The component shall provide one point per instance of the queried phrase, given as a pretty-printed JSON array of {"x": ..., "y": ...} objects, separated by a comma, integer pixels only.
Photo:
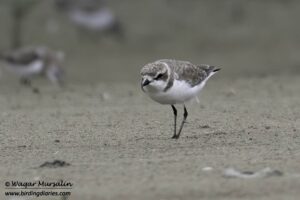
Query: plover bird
[
  {"x": 91, "y": 15},
  {"x": 29, "y": 62},
  {"x": 175, "y": 82}
]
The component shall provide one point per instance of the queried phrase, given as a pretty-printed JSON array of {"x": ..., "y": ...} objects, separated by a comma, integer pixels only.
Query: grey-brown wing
[
  {"x": 21, "y": 58},
  {"x": 191, "y": 73},
  {"x": 185, "y": 70}
]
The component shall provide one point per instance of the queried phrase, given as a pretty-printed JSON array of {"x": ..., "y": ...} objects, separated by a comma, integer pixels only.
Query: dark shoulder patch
[{"x": 22, "y": 58}]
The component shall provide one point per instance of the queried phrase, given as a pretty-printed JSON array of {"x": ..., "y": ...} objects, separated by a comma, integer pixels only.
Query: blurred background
[{"x": 244, "y": 37}]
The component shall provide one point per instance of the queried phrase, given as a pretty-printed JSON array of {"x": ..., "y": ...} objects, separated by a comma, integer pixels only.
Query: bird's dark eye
[{"x": 159, "y": 76}]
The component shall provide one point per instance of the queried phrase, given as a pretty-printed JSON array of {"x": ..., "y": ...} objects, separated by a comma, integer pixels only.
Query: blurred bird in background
[
  {"x": 30, "y": 62},
  {"x": 92, "y": 16}
]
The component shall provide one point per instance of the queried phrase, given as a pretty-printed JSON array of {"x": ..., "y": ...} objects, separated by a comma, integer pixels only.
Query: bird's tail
[
  {"x": 213, "y": 69},
  {"x": 216, "y": 69},
  {"x": 209, "y": 69}
]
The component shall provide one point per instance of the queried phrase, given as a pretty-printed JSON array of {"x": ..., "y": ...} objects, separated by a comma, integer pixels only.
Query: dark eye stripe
[{"x": 158, "y": 76}]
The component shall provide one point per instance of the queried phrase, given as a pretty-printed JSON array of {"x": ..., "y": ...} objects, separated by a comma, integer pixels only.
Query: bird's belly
[
  {"x": 28, "y": 70},
  {"x": 179, "y": 93}
]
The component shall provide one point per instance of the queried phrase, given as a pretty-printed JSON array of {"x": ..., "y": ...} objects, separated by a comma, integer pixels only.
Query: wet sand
[{"x": 118, "y": 142}]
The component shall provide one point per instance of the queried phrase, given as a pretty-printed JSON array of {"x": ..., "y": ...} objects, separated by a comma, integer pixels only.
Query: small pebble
[
  {"x": 266, "y": 172},
  {"x": 205, "y": 126},
  {"x": 105, "y": 96},
  {"x": 54, "y": 164},
  {"x": 206, "y": 169},
  {"x": 231, "y": 92}
]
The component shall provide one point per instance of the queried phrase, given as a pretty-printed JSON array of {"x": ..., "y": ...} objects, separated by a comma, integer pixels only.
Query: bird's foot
[
  {"x": 175, "y": 136},
  {"x": 25, "y": 81},
  {"x": 35, "y": 90}
]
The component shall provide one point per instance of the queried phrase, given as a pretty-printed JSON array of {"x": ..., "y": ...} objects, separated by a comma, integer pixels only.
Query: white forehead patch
[{"x": 147, "y": 77}]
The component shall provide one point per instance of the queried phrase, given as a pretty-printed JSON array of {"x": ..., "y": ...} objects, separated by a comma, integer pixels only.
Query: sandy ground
[
  {"x": 118, "y": 145},
  {"x": 118, "y": 142}
]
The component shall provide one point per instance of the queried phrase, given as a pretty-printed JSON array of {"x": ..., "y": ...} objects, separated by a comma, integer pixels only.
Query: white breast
[
  {"x": 179, "y": 93},
  {"x": 33, "y": 68}
]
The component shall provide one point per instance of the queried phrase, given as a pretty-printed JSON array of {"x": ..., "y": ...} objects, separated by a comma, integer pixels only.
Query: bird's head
[
  {"x": 154, "y": 76},
  {"x": 53, "y": 67}
]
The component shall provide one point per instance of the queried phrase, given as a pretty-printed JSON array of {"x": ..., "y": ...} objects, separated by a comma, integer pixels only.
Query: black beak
[{"x": 146, "y": 82}]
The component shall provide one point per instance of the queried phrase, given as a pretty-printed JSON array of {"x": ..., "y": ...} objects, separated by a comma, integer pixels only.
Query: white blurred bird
[{"x": 91, "y": 15}]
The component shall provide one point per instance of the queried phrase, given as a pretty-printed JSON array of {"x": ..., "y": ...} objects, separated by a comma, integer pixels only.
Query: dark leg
[
  {"x": 27, "y": 82},
  {"x": 175, "y": 120},
  {"x": 35, "y": 90},
  {"x": 185, "y": 114}
]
